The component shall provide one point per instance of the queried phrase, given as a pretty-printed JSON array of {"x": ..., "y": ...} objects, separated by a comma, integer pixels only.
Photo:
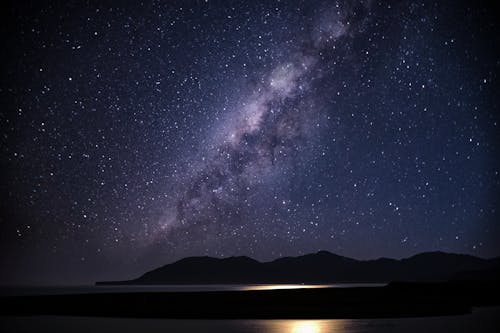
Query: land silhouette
[
  {"x": 319, "y": 268},
  {"x": 427, "y": 284}
]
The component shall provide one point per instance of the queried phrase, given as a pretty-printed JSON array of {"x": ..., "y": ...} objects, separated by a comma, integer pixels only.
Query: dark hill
[
  {"x": 320, "y": 267},
  {"x": 204, "y": 270}
]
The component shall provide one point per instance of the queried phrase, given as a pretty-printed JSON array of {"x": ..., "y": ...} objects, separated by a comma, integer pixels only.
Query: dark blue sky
[{"x": 134, "y": 135}]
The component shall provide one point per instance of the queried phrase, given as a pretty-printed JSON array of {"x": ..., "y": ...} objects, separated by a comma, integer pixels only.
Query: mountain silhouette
[{"x": 320, "y": 267}]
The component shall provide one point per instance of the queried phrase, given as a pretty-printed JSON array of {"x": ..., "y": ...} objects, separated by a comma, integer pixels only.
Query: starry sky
[{"x": 137, "y": 134}]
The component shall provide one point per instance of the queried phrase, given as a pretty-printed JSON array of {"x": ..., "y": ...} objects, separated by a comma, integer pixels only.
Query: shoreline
[{"x": 396, "y": 300}]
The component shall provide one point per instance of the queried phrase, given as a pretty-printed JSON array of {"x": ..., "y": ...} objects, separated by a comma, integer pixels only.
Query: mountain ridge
[{"x": 319, "y": 267}]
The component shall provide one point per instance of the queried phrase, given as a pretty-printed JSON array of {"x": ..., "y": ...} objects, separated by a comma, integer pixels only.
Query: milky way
[
  {"x": 134, "y": 135},
  {"x": 261, "y": 137}
]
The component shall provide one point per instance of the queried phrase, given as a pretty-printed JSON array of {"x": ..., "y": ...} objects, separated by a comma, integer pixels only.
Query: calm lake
[
  {"x": 479, "y": 321},
  {"x": 486, "y": 319}
]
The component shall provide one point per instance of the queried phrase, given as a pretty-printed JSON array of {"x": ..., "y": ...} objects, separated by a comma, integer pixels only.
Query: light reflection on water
[
  {"x": 307, "y": 326},
  {"x": 481, "y": 320},
  {"x": 59, "y": 324},
  {"x": 296, "y": 326}
]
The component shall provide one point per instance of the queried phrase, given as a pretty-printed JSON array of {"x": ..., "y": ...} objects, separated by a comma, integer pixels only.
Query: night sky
[{"x": 135, "y": 135}]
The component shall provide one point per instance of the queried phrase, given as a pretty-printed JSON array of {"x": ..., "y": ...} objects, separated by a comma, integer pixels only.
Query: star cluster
[{"x": 137, "y": 134}]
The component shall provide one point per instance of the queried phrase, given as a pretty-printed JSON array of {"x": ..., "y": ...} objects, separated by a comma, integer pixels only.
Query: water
[
  {"x": 20, "y": 291},
  {"x": 481, "y": 320}
]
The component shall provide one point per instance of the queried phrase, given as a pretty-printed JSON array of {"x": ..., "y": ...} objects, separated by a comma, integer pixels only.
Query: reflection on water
[
  {"x": 60, "y": 324},
  {"x": 302, "y": 326},
  {"x": 306, "y": 327},
  {"x": 284, "y": 286},
  {"x": 482, "y": 320}
]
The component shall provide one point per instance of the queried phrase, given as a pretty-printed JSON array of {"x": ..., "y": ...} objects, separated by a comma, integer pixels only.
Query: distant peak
[
  {"x": 194, "y": 259},
  {"x": 324, "y": 252},
  {"x": 239, "y": 258},
  {"x": 214, "y": 259}
]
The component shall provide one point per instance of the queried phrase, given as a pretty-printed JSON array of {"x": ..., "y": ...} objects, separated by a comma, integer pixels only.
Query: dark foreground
[{"x": 394, "y": 300}]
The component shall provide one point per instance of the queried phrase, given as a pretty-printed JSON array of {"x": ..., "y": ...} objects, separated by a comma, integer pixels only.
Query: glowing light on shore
[{"x": 285, "y": 286}]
